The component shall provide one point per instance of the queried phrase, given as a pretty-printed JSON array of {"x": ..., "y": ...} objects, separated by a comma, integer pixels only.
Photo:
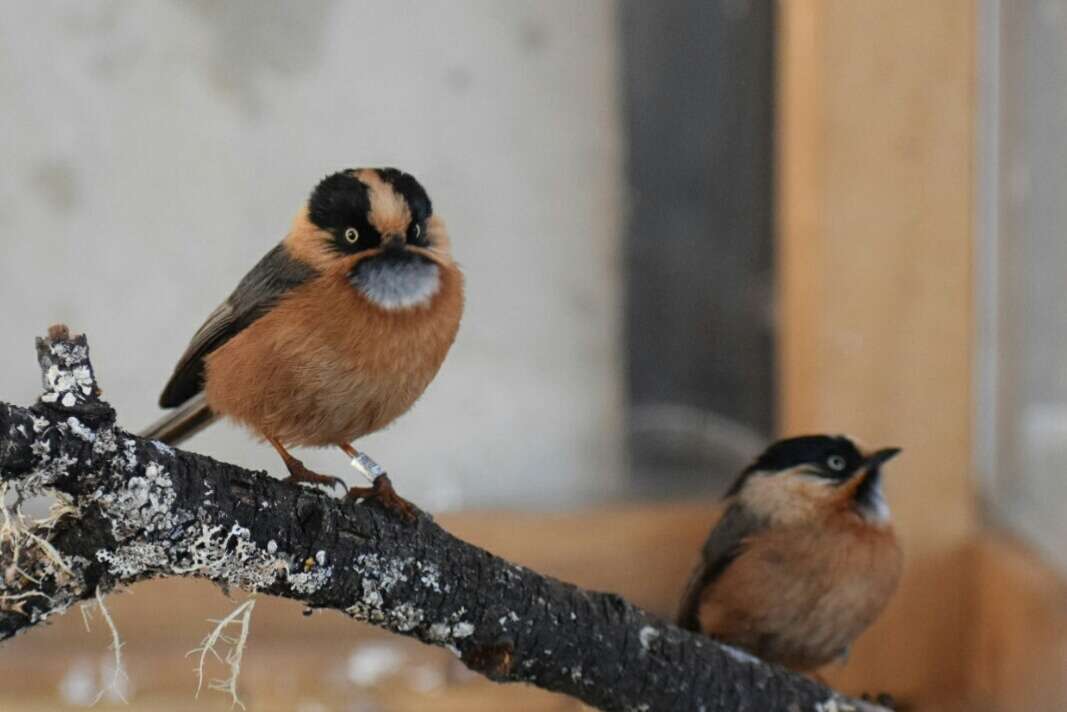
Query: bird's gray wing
[
  {"x": 723, "y": 546},
  {"x": 272, "y": 278}
]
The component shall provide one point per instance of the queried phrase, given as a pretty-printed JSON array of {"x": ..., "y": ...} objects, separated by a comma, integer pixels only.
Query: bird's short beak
[
  {"x": 880, "y": 457},
  {"x": 394, "y": 241}
]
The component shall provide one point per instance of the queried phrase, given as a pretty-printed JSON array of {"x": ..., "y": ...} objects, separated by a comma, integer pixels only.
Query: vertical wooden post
[{"x": 876, "y": 115}]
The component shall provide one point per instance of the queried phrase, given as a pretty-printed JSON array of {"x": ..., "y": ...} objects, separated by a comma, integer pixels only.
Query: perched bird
[
  {"x": 804, "y": 557},
  {"x": 334, "y": 333}
]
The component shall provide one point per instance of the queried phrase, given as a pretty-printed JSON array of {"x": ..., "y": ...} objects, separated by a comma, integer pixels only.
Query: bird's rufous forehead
[{"x": 389, "y": 212}]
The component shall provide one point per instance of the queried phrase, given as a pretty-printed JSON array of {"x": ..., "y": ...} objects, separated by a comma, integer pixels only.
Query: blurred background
[{"x": 687, "y": 227}]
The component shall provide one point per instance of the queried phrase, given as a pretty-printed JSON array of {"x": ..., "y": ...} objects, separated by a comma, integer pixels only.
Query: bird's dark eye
[
  {"x": 836, "y": 463},
  {"x": 351, "y": 235}
]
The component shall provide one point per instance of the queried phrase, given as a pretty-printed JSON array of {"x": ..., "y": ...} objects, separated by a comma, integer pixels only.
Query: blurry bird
[
  {"x": 334, "y": 333},
  {"x": 804, "y": 557}
]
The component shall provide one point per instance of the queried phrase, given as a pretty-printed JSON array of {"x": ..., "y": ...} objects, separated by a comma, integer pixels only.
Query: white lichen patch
[
  {"x": 379, "y": 576},
  {"x": 41, "y": 450},
  {"x": 511, "y": 617},
  {"x": 647, "y": 635},
  {"x": 80, "y": 429},
  {"x": 47, "y": 468},
  {"x": 144, "y": 503},
  {"x": 67, "y": 385},
  {"x": 163, "y": 448},
  {"x": 372, "y": 595},
  {"x": 430, "y": 577},
  {"x": 55, "y": 469},
  {"x": 231, "y": 558},
  {"x": 404, "y": 617},
  {"x": 440, "y": 632},
  {"x": 129, "y": 452},
  {"x": 134, "y": 560},
  {"x": 308, "y": 582},
  {"x": 387, "y": 573},
  {"x": 106, "y": 442},
  {"x": 443, "y": 632},
  {"x": 451, "y": 630},
  {"x": 69, "y": 353}
]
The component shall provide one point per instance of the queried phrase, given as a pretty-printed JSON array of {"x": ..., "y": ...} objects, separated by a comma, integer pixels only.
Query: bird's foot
[
  {"x": 382, "y": 491},
  {"x": 299, "y": 473}
]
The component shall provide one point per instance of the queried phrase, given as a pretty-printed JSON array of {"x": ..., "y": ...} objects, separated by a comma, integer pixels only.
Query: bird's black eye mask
[
  {"x": 340, "y": 204},
  {"x": 834, "y": 458}
]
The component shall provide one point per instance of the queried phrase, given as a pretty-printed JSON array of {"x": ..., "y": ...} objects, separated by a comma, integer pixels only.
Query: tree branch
[{"x": 129, "y": 509}]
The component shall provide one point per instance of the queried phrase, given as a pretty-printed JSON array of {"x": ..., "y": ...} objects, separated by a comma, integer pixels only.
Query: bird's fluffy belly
[
  {"x": 800, "y": 598},
  {"x": 325, "y": 367}
]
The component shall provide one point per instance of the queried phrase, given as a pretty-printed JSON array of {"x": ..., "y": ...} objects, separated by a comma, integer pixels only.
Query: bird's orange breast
[
  {"x": 800, "y": 595},
  {"x": 326, "y": 366}
]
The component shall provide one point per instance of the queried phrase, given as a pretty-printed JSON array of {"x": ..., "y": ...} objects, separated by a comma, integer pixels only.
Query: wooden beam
[{"x": 876, "y": 114}]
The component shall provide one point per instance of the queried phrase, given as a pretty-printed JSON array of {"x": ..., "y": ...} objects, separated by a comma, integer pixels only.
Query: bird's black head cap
[
  {"x": 834, "y": 457},
  {"x": 342, "y": 205}
]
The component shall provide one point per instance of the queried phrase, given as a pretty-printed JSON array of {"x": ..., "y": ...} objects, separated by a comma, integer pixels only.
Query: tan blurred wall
[{"x": 151, "y": 152}]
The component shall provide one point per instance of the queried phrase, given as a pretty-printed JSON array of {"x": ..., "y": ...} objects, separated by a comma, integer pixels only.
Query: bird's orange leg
[
  {"x": 381, "y": 489},
  {"x": 299, "y": 473}
]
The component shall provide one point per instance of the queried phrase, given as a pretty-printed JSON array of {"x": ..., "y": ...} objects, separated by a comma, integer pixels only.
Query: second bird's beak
[{"x": 876, "y": 459}]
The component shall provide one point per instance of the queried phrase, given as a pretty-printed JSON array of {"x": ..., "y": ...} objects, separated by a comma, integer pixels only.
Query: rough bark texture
[{"x": 131, "y": 509}]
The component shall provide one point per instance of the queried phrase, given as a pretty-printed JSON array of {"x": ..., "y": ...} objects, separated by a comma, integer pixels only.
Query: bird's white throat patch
[
  {"x": 399, "y": 282},
  {"x": 877, "y": 509}
]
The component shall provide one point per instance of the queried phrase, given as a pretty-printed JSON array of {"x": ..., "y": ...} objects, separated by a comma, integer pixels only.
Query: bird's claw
[
  {"x": 303, "y": 474},
  {"x": 382, "y": 491}
]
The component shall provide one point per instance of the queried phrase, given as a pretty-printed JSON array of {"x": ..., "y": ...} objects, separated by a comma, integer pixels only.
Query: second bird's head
[
  {"x": 799, "y": 477},
  {"x": 378, "y": 226}
]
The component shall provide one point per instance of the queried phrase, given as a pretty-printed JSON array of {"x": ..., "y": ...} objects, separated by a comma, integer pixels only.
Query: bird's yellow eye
[
  {"x": 352, "y": 235},
  {"x": 836, "y": 463}
]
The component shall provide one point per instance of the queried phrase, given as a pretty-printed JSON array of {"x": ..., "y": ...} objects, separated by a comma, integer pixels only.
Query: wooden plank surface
[{"x": 875, "y": 186}]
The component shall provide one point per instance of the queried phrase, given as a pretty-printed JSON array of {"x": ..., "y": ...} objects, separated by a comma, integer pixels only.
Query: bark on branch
[{"x": 129, "y": 509}]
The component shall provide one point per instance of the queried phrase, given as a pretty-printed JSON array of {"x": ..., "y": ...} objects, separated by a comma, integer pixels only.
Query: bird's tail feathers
[{"x": 182, "y": 423}]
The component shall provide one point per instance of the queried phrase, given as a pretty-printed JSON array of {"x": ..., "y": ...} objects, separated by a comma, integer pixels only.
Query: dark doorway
[{"x": 699, "y": 91}]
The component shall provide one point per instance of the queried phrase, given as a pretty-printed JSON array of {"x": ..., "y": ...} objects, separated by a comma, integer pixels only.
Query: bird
[
  {"x": 804, "y": 557},
  {"x": 332, "y": 335}
]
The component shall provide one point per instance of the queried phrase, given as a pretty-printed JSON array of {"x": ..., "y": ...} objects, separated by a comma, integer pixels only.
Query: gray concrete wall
[{"x": 151, "y": 152}]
